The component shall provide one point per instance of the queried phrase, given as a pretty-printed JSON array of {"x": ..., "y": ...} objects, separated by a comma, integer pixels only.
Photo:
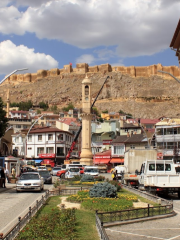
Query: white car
[
  {"x": 41, "y": 168},
  {"x": 30, "y": 181},
  {"x": 91, "y": 170},
  {"x": 73, "y": 171}
]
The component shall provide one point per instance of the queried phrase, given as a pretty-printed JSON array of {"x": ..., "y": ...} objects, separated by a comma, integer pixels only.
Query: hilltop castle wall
[{"x": 82, "y": 68}]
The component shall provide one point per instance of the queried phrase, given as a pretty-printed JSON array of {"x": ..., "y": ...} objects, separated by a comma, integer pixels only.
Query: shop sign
[
  {"x": 107, "y": 142},
  {"x": 47, "y": 155}
]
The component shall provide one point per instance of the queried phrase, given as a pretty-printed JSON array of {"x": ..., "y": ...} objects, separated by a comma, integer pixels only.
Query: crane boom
[{"x": 80, "y": 128}]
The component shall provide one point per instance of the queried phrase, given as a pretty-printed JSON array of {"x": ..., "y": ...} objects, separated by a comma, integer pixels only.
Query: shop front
[
  {"x": 48, "y": 158},
  {"x": 103, "y": 158},
  {"x": 117, "y": 161}
]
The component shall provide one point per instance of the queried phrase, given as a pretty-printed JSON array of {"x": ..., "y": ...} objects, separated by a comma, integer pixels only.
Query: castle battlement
[{"x": 82, "y": 68}]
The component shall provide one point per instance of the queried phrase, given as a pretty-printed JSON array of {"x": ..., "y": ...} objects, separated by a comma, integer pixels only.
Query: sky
[{"x": 46, "y": 34}]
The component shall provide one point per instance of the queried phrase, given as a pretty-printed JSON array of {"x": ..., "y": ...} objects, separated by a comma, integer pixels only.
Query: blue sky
[{"x": 45, "y": 34}]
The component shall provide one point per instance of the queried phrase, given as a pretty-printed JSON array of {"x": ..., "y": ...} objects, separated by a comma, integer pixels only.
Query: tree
[
  {"x": 105, "y": 111},
  {"x": 3, "y": 119},
  {"x": 43, "y": 105},
  {"x": 70, "y": 106}
]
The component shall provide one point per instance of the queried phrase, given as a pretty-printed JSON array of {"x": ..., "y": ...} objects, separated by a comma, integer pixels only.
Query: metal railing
[
  {"x": 100, "y": 228},
  {"x": 22, "y": 221},
  {"x": 124, "y": 215}
]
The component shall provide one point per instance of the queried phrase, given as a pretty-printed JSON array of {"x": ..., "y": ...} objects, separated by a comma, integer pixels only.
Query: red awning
[
  {"x": 117, "y": 160},
  {"x": 102, "y": 160}
]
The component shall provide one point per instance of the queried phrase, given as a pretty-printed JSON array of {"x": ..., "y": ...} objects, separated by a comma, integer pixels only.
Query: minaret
[
  {"x": 86, "y": 153},
  {"x": 7, "y": 113}
]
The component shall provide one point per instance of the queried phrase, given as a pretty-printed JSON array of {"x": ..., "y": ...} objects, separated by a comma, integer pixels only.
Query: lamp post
[
  {"x": 25, "y": 140},
  {"x": 170, "y": 75},
  {"x": 17, "y": 70}
]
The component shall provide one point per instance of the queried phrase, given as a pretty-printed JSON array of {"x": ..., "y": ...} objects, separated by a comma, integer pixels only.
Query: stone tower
[
  {"x": 7, "y": 113},
  {"x": 86, "y": 153}
]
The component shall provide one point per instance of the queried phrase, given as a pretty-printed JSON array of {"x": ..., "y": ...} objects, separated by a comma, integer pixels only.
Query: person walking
[
  {"x": 3, "y": 177},
  {"x": 6, "y": 171}
]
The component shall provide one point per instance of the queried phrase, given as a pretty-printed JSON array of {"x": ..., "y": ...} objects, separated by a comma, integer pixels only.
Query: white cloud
[
  {"x": 86, "y": 58},
  {"x": 16, "y": 57},
  {"x": 136, "y": 27}
]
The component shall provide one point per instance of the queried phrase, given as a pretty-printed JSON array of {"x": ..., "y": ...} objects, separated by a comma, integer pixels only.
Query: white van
[{"x": 91, "y": 170}]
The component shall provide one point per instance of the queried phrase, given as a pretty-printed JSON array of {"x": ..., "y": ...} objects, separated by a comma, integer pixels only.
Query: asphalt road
[{"x": 14, "y": 205}]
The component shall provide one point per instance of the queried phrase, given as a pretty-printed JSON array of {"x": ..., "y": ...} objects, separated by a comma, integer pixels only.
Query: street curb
[{"x": 105, "y": 225}]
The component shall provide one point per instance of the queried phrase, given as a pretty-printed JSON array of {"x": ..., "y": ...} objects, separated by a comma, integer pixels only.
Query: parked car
[
  {"x": 91, "y": 170},
  {"x": 71, "y": 172},
  {"x": 39, "y": 168},
  {"x": 55, "y": 170},
  {"x": 45, "y": 174},
  {"x": 65, "y": 167},
  {"x": 30, "y": 181},
  {"x": 48, "y": 166}
]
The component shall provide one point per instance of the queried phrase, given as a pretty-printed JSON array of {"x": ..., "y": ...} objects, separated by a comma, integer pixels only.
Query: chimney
[
  {"x": 128, "y": 135},
  {"x": 131, "y": 133},
  {"x": 139, "y": 121}
]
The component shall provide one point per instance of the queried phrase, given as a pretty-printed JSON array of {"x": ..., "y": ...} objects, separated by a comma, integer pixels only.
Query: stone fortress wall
[{"x": 82, "y": 68}]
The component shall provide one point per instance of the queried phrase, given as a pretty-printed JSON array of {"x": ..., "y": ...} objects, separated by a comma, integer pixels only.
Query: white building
[{"x": 48, "y": 143}]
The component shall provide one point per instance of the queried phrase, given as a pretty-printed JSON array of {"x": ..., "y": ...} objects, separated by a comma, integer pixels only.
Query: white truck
[
  {"x": 132, "y": 164},
  {"x": 160, "y": 176}
]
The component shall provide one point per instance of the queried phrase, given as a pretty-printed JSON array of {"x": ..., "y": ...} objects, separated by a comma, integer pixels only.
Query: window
[
  {"x": 60, "y": 137},
  {"x": 50, "y": 136},
  {"x": 25, "y": 127},
  {"x": 18, "y": 126},
  {"x": 29, "y": 138},
  {"x": 132, "y": 146},
  {"x": 159, "y": 167},
  {"x": 119, "y": 150},
  {"x": 99, "y": 138},
  {"x": 86, "y": 90},
  {"x": 17, "y": 139},
  {"x": 39, "y": 138},
  {"x": 29, "y": 148},
  {"x": 167, "y": 167},
  {"x": 60, "y": 151},
  {"x": 170, "y": 145},
  {"x": 151, "y": 167},
  {"x": 49, "y": 150},
  {"x": 40, "y": 150}
]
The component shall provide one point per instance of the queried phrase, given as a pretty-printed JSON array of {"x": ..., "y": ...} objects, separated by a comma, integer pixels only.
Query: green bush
[
  {"x": 100, "y": 178},
  {"x": 87, "y": 178},
  {"x": 116, "y": 184},
  {"x": 105, "y": 190},
  {"x": 56, "y": 183}
]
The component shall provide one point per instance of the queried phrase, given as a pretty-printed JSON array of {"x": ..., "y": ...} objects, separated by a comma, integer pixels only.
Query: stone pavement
[
  {"x": 8, "y": 186},
  {"x": 164, "y": 229}
]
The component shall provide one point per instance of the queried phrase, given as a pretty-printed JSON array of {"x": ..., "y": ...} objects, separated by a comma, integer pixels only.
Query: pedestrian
[
  {"x": 13, "y": 172},
  {"x": 3, "y": 177},
  {"x": 6, "y": 171}
]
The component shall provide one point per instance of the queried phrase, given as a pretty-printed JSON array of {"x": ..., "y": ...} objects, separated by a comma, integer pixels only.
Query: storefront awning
[
  {"x": 101, "y": 160},
  {"x": 117, "y": 160}
]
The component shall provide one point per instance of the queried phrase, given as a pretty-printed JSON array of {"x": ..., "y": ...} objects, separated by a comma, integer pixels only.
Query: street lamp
[
  {"x": 170, "y": 75},
  {"x": 17, "y": 70},
  {"x": 25, "y": 140}
]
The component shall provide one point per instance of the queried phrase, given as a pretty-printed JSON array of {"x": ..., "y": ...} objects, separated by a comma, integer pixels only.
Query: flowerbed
[
  {"x": 123, "y": 201},
  {"x": 54, "y": 225}
]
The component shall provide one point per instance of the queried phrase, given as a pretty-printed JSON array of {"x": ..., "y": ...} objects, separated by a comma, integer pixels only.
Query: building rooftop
[
  {"x": 46, "y": 130},
  {"x": 135, "y": 138},
  {"x": 168, "y": 122}
]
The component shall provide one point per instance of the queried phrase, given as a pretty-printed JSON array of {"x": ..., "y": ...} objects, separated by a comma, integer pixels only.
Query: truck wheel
[{"x": 63, "y": 176}]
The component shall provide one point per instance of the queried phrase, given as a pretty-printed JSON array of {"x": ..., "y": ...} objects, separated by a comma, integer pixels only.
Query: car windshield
[
  {"x": 29, "y": 177},
  {"x": 91, "y": 170},
  {"x": 74, "y": 169},
  {"x": 44, "y": 173},
  {"x": 57, "y": 168}
]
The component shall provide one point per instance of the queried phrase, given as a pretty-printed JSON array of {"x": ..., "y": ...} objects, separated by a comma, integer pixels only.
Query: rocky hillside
[{"x": 151, "y": 97}]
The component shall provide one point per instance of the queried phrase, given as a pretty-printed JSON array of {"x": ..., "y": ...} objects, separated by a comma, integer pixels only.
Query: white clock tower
[{"x": 86, "y": 152}]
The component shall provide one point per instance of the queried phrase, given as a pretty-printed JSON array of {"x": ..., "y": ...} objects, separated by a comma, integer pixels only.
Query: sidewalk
[{"x": 8, "y": 186}]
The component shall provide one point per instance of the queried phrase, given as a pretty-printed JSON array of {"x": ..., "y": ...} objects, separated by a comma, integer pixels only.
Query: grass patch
[{"x": 85, "y": 225}]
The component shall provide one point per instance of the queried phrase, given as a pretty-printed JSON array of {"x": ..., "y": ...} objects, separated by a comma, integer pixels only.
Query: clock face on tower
[{"x": 86, "y": 98}]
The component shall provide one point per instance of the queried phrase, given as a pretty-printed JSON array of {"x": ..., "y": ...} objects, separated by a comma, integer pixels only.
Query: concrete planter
[{"x": 13, "y": 180}]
